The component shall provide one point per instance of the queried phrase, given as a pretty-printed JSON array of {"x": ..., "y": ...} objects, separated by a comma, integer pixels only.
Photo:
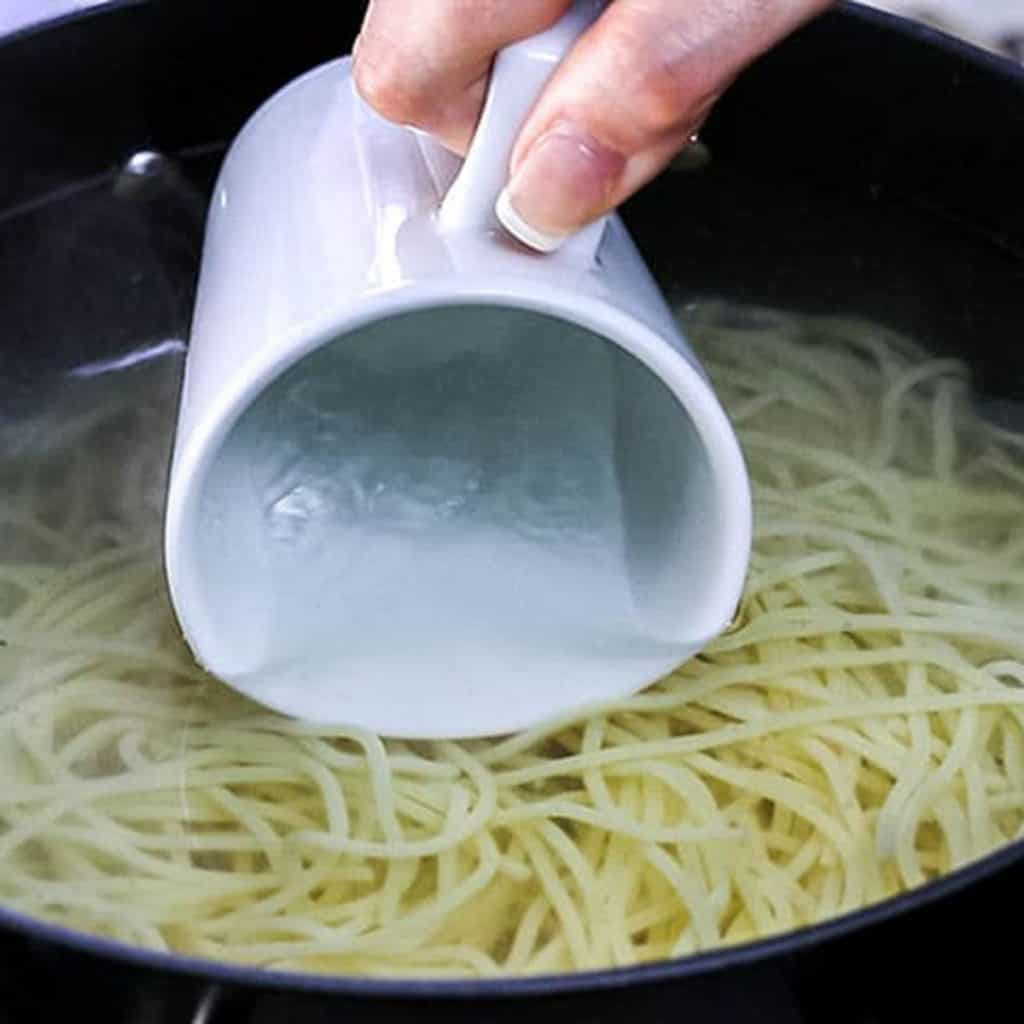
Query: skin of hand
[{"x": 633, "y": 90}]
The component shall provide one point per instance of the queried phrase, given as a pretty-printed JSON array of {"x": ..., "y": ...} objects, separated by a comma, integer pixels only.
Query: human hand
[{"x": 634, "y": 89}]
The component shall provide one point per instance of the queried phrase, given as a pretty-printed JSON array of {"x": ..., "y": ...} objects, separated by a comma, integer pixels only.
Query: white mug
[{"x": 425, "y": 480}]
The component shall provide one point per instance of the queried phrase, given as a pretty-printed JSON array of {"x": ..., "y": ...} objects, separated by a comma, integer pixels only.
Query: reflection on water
[{"x": 88, "y": 467}]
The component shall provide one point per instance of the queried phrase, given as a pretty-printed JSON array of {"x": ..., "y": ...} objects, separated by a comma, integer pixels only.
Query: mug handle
[{"x": 519, "y": 74}]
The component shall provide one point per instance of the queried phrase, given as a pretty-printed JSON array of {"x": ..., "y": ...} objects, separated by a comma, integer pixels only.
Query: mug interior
[{"x": 462, "y": 500}]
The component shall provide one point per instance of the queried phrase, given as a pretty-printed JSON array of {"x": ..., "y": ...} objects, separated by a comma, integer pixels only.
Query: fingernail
[{"x": 564, "y": 181}]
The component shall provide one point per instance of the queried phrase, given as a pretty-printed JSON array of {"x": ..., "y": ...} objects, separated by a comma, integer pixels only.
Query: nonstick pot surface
[{"x": 865, "y": 167}]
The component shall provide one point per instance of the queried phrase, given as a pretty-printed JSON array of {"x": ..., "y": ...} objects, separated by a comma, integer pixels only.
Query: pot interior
[{"x": 890, "y": 199}]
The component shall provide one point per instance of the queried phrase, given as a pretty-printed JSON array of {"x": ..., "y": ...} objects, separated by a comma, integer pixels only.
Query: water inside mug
[{"x": 470, "y": 490}]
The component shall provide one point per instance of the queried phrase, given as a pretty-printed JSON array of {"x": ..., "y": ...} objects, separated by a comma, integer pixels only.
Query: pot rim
[{"x": 760, "y": 951}]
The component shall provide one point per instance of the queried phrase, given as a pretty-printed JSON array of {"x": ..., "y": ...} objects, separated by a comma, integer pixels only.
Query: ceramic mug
[{"x": 425, "y": 480}]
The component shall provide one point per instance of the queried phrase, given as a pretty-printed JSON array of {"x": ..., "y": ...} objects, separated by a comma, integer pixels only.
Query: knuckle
[
  {"x": 389, "y": 91},
  {"x": 651, "y": 80},
  {"x": 662, "y": 100},
  {"x": 660, "y": 63}
]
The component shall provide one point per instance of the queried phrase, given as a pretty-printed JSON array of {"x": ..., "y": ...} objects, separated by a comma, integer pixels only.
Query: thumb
[{"x": 628, "y": 97}]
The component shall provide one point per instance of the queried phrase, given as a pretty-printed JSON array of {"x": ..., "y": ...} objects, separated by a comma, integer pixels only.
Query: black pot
[{"x": 867, "y": 166}]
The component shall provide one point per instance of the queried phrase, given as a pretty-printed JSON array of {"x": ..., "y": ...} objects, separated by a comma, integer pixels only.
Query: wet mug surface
[{"x": 426, "y": 481}]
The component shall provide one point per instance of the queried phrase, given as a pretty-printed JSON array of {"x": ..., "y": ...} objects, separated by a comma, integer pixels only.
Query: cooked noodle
[{"x": 859, "y": 729}]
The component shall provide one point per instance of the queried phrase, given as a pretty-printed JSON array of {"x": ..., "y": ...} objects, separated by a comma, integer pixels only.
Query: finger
[
  {"x": 627, "y": 98},
  {"x": 425, "y": 62}
]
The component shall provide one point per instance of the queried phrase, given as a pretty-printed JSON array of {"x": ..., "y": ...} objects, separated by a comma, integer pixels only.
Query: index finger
[{"x": 425, "y": 63}]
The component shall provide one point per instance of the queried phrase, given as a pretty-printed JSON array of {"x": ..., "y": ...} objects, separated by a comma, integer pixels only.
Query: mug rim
[{"x": 196, "y": 452}]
